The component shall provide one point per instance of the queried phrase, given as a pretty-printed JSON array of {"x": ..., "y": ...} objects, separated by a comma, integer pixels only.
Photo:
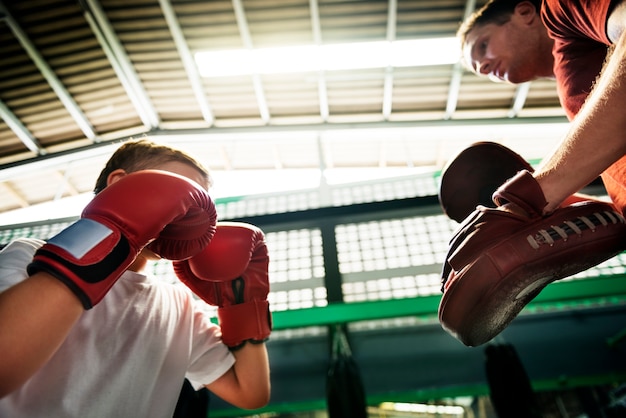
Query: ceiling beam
[
  {"x": 120, "y": 62},
  {"x": 457, "y": 71},
  {"x": 391, "y": 36},
  {"x": 207, "y": 134},
  {"x": 521, "y": 94},
  {"x": 322, "y": 89},
  {"x": 20, "y": 130},
  {"x": 64, "y": 183},
  {"x": 22, "y": 202},
  {"x": 188, "y": 62},
  {"x": 54, "y": 82},
  {"x": 244, "y": 31},
  {"x": 322, "y": 92}
]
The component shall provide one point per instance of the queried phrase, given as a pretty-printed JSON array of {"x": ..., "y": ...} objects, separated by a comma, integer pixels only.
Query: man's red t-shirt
[{"x": 578, "y": 28}]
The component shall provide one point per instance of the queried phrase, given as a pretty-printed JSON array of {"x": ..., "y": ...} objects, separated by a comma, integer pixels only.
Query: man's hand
[
  {"x": 470, "y": 178},
  {"x": 500, "y": 259}
]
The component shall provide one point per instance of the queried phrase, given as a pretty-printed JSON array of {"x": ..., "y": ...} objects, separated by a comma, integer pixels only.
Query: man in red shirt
[{"x": 582, "y": 44}]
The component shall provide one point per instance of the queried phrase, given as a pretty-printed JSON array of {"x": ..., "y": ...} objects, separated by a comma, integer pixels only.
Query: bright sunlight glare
[{"x": 334, "y": 57}]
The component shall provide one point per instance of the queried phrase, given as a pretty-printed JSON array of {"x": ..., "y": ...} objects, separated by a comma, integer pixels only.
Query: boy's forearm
[
  {"x": 35, "y": 317},
  {"x": 253, "y": 372}
]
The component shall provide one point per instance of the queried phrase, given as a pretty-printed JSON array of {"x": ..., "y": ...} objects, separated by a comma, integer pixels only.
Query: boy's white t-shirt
[{"x": 126, "y": 357}]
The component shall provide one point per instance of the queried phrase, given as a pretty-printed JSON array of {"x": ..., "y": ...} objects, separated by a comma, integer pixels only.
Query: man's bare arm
[{"x": 597, "y": 137}]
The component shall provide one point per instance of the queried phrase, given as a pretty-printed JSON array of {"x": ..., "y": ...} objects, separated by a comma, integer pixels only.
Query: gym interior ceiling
[{"x": 80, "y": 75}]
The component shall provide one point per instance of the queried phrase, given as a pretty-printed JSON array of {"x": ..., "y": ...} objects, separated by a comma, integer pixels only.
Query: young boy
[{"x": 84, "y": 333}]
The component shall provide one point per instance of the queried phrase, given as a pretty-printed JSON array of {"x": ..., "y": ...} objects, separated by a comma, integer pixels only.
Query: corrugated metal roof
[{"x": 79, "y": 74}]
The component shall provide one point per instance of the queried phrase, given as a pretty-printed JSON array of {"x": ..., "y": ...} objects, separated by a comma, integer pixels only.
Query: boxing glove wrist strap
[
  {"x": 88, "y": 257},
  {"x": 248, "y": 321}
]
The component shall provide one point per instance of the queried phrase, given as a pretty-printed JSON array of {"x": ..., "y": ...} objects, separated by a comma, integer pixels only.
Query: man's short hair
[
  {"x": 494, "y": 11},
  {"x": 143, "y": 154}
]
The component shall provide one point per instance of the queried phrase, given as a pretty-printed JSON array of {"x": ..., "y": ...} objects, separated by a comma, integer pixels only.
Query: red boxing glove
[
  {"x": 91, "y": 254},
  {"x": 232, "y": 273}
]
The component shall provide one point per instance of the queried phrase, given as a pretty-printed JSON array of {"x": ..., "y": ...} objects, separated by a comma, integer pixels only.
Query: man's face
[{"x": 502, "y": 52}]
